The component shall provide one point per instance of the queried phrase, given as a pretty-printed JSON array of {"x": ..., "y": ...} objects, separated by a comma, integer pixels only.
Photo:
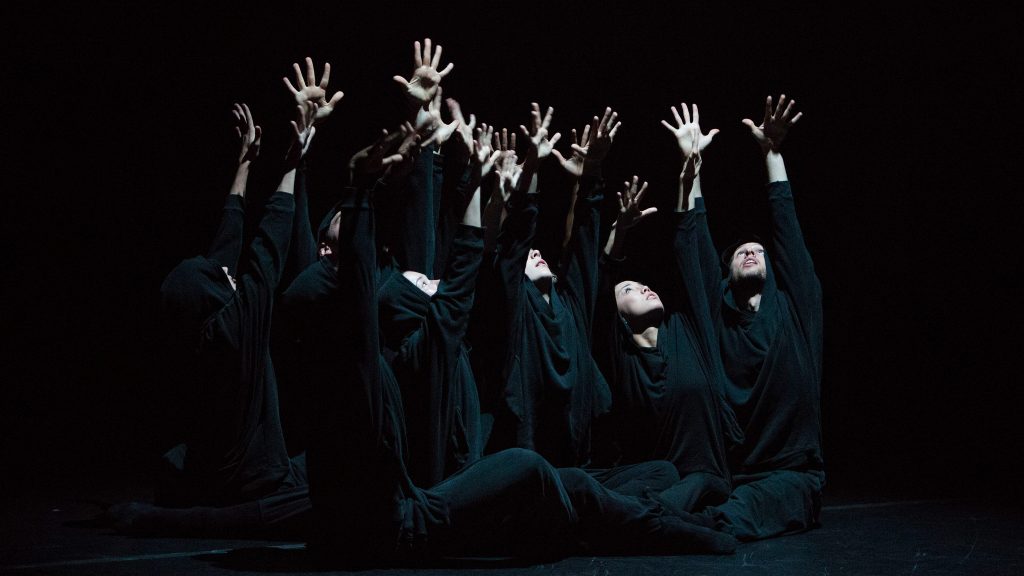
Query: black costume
[
  {"x": 551, "y": 388},
  {"x": 424, "y": 338},
  {"x": 773, "y": 361},
  {"x": 368, "y": 510},
  {"x": 668, "y": 400},
  {"x": 235, "y": 449}
]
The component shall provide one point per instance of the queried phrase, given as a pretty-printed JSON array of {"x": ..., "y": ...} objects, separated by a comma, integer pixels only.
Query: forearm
[
  {"x": 287, "y": 185},
  {"x": 472, "y": 215},
  {"x": 689, "y": 185},
  {"x": 776, "y": 167},
  {"x": 615, "y": 247},
  {"x": 241, "y": 179}
]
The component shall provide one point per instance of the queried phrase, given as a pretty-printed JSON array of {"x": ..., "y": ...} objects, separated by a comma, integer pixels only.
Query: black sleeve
[
  {"x": 694, "y": 291},
  {"x": 514, "y": 242},
  {"x": 453, "y": 301},
  {"x": 226, "y": 247},
  {"x": 580, "y": 268},
  {"x": 303, "y": 246},
  {"x": 710, "y": 267},
  {"x": 791, "y": 262},
  {"x": 418, "y": 217},
  {"x": 456, "y": 190},
  {"x": 266, "y": 254},
  {"x": 606, "y": 345},
  {"x": 360, "y": 405}
]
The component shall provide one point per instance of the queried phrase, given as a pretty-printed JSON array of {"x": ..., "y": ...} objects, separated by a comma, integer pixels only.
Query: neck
[
  {"x": 544, "y": 285},
  {"x": 747, "y": 298},
  {"x": 647, "y": 338}
]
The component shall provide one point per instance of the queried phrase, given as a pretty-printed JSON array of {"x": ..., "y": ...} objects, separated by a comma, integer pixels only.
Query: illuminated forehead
[
  {"x": 414, "y": 277},
  {"x": 624, "y": 284},
  {"x": 748, "y": 246}
]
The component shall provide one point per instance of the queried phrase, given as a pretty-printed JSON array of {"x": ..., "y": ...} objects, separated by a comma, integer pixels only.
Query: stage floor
[{"x": 47, "y": 530}]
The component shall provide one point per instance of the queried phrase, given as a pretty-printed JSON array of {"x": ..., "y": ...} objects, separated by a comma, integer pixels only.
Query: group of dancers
[{"x": 464, "y": 396}]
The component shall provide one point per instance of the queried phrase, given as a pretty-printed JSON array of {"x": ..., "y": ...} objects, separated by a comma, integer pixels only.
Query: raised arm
[
  {"x": 266, "y": 254},
  {"x": 692, "y": 142},
  {"x": 422, "y": 86},
  {"x": 306, "y": 90},
  {"x": 630, "y": 215},
  {"x": 583, "y": 222},
  {"x": 791, "y": 261},
  {"x": 226, "y": 247}
]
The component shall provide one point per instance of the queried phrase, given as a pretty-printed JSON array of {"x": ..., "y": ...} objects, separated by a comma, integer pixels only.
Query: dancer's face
[
  {"x": 420, "y": 280},
  {"x": 748, "y": 263},
  {"x": 635, "y": 300},
  {"x": 536, "y": 267}
]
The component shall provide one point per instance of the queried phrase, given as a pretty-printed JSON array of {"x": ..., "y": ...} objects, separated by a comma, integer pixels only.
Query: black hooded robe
[
  {"x": 773, "y": 361},
  {"x": 368, "y": 511},
  {"x": 235, "y": 447},
  {"x": 424, "y": 336},
  {"x": 551, "y": 387},
  {"x": 668, "y": 400}
]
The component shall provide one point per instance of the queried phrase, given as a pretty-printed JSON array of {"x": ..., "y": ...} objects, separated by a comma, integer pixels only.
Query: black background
[{"x": 120, "y": 149}]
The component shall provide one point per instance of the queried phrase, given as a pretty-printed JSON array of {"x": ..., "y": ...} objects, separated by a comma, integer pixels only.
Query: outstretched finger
[
  {"x": 547, "y": 118},
  {"x": 605, "y": 118},
  {"x": 640, "y": 194},
  {"x": 437, "y": 57},
  {"x": 797, "y": 117},
  {"x": 310, "y": 73},
  {"x": 614, "y": 131},
  {"x": 789, "y": 110},
  {"x": 327, "y": 75},
  {"x": 779, "y": 107},
  {"x": 417, "y": 57},
  {"x": 554, "y": 139},
  {"x": 696, "y": 115},
  {"x": 679, "y": 120},
  {"x": 298, "y": 76},
  {"x": 427, "y": 49},
  {"x": 686, "y": 112},
  {"x": 446, "y": 70},
  {"x": 288, "y": 84},
  {"x": 585, "y": 138},
  {"x": 767, "y": 110}
]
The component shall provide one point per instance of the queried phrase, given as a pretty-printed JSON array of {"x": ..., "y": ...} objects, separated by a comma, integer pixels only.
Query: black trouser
[{"x": 770, "y": 504}]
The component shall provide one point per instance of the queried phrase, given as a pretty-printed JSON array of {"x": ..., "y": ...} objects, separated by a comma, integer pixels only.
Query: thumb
[{"x": 401, "y": 81}]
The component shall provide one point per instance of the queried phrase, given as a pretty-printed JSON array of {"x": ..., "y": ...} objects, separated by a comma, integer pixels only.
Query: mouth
[
  {"x": 540, "y": 263},
  {"x": 652, "y": 296},
  {"x": 749, "y": 262}
]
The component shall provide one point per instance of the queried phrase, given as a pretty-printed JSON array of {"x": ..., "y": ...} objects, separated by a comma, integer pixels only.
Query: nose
[
  {"x": 534, "y": 254},
  {"x": 644, "y": 290}
]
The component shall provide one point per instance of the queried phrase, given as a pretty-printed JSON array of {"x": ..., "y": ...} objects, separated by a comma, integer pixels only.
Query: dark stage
[
  {"x": 120, "y": 149},
  {"x": 47, "y": 531}
]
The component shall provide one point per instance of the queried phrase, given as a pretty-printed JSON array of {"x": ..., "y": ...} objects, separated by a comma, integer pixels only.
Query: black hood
[
  {"x": 193, "y": 291},
  {"x": 403, "y": 309}
]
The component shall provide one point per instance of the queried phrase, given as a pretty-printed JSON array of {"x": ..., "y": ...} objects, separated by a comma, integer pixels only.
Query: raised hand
[
  {"x": 380, "y": 154},
  {"x": 304, "y": 129},
  {"x": 433, "y": 124},
  {"x": 248, "y": 133},
  {"x": 687, "y": 132},
  {"x": 309, "y": 90},
  {"x": 464, "y": 128},
  {"x": 420, "y": 88},
  {"x": 484, "y": 154},
  {"x": 775, "y": 125},
  {"x": 537, "y": 133},
  {"x": 593, "y": 147},
  {"x": 509, "y": 173},
  {"x": 630, "y": 213}
]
